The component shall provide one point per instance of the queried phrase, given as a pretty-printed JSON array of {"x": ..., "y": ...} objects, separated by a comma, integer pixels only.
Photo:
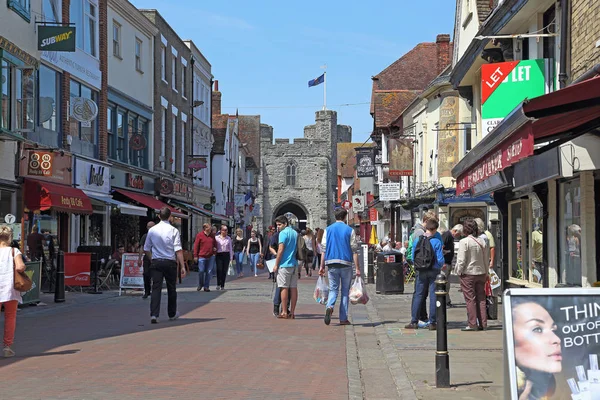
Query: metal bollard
[
  {"x": 370, "y": 269},
  {"x": 59, "y": 290},
  {"x": 442, "y": 359}
]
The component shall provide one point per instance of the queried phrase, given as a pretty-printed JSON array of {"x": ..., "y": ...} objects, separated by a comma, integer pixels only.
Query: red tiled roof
[{"x": 390, "y": 103}]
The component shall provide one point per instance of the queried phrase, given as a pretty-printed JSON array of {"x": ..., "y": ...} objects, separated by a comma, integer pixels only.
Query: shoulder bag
[{"x": 22, "y": 282}]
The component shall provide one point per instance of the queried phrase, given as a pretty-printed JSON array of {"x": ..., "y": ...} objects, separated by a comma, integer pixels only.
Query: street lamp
[{"x": 197, "y": 103}]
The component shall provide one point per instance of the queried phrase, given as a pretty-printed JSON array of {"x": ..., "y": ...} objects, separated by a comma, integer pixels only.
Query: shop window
[
  {"x": 569, "y": 269},
  {"x": 48, "y": 108},
  {"x": 84, "y": 134},
  {"x": 21, "y": 7},
  {"x": 84, "y": 14},
  {"x": 17, "y": 97},
  {"x": 526, "y": 241},
  {"x": 7, "y": 203}
]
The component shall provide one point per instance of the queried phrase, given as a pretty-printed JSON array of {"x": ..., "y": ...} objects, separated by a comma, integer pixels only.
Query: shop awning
[
  {"x": 40, "y": 195},
  {"x": 203, "y": 211},
  {"x": 149, "y": 202},
  {"x": 125, "y": 208}
]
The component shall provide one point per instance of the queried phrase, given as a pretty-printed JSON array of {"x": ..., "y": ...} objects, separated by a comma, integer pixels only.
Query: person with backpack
[
  {"x": 428, "y": 260},
  {"x": 417, "y": 231}
]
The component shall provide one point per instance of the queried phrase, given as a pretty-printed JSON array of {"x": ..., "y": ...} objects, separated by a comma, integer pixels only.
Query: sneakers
[
  {"x": 153, "y": 320},
  {"x": 8, "y": 352},
  {"x": 218, "y": 288},
  {"x": 469, "y": 329},
  {"x": 199, "y": 288},
  {"x": 328, "y": 313},
  {"x": 275, "y": 311},
  {"x": 206, "y": 289},
  {"x": 412, "y": 325},
  {"x": 174, "y": 317},
  {"x": 345, "y": 322},
  {"x": 255, "y": 275},
  {"x": 432, "y": 327},
  {"x": 422, "y": 325}
]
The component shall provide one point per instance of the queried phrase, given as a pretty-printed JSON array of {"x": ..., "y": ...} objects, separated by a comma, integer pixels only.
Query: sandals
[{"x": 283, "y": 316}]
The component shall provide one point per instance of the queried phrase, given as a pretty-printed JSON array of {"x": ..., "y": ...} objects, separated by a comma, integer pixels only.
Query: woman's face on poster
[{"x": 537, "y": 347}]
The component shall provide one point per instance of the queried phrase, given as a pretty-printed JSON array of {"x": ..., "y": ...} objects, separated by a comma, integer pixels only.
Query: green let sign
[
  {"x": 208, "y": 206},
  {"x": 56, "y": 38}
]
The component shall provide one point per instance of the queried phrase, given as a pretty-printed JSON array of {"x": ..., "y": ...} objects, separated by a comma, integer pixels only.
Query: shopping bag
[
  {"x": 494, "y": 280},
  {"x": 231, "y": 270},
  {"x": 321, "y": 293},
  {"x": 358, "y": 292},
  {"x": 245, "y": 259},
  {"x": 488, "y": 288}
]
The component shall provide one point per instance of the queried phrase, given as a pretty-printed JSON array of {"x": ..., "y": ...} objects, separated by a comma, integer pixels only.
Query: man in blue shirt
[
  {"x": 426, "y": 278},
  {"x": 286, "y": 265}
]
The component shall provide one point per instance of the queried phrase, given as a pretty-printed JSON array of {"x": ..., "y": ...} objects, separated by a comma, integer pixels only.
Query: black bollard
[
  {"x": 370, "y": 269},
  {"x": 59, "y": 290},
  {"x": 442, "y": 359},
  {"x": 95, "y": 262}
]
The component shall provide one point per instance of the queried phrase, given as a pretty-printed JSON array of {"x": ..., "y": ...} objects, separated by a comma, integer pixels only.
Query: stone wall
[{"x": 585, "y": 33}]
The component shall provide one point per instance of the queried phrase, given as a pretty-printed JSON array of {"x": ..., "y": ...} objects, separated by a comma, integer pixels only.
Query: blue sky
[{"x": 263, "y": 53}]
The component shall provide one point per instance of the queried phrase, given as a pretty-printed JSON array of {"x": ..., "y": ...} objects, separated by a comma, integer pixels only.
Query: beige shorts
[{"x": 287, "y": 277}]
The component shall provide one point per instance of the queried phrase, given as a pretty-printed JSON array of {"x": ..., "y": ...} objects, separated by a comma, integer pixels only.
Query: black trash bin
[{"x": 390, "y": 273}]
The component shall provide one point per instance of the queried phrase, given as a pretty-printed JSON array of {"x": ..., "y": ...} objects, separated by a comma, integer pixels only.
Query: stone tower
[{"x": 300, "y": 177}]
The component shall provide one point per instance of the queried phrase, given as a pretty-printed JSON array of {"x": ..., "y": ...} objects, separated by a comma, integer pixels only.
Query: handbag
[{"x": 23, "y": 283}]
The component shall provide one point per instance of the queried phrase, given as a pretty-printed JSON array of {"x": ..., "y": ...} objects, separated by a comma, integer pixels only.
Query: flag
[{"x": 316, "y": 81}]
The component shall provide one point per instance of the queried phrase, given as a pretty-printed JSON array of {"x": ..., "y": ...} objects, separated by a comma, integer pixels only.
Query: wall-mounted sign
[
  {"x": 83, "y": 110},
  {"x": 365, "y": 162},
  {"x": 389, "y": 191},
  {"x": 400, "y": 157},
  {"x": 56, "y": 38},
  {"x": 373, "y": 215},
  {"x": 229, "y": 208},
  {"x": 79, "y": 64},
  {"x": 208, "y": 206},
  {"x": 137, "y": 142},
  {"x": 40, "y": 163},
  {"x": 505, "y": 85},
  {"x": 168, "y": 187},
  {"x": 135, "y": 181},
  {"x": 346, "y": 205},
  {"x": 165, "y": 186},
  {"x": 121, "y": 178},
  {"x": 92, "y": 176},
  {"x": 46, "y": 166},
  {"x": 358, "y": 203}
]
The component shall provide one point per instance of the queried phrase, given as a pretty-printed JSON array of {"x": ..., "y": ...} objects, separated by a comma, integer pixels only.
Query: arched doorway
[{"x": 294, "y": 212}]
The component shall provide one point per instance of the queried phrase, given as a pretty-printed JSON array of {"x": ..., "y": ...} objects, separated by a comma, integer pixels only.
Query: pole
[
  {"x": 370, "y": 268},
  {"x": 59, "y": 291},
  {"x": 95, "y": 262},
  {"x": 442, "y": 359}
]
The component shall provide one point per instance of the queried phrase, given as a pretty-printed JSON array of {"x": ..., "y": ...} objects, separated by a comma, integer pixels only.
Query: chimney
[
  {"x": 216, "y": 100},
  {"x": 442, "y": 44}
]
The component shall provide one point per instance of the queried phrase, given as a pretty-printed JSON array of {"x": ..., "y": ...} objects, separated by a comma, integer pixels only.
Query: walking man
[
  {"x": 448, "y": 238},
  {"x": 286, "y": 265},
  {"x": 163, "y": 247},
  {"x": 205, "y": 246},
  {"x": 146, "y": 263},
  {"x": 340, "y": 250}
]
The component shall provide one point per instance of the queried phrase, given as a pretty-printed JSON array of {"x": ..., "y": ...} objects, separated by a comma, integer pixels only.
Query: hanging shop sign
[
  {"x": 45, "y": 165},
  {"x": 208, "y": 206},
  {"x": 505, "y": 85},
  {"x": 137, "y": 142},
  {"x": 83, "y": 110},
  {"x": 448, "y": 136},
  {"x": 92, "y": 176},
  {"x": 198, "y": 164},
  {"x": 229, "y": 208},
  {"x": 373, "y": 215},
  {"x": 56, "y": 38},
  {"x": 346, "y": 205},
  {"x": 358, "y": 203},
  {"x": 365, "y": 162},
  {"x": 389, "y": 191},
  {"x": 400, "y": 157},
  {"x": 552, "y": 343}
]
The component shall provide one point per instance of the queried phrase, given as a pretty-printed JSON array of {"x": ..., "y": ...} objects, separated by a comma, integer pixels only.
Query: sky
[{"x": 263, "y": 53}]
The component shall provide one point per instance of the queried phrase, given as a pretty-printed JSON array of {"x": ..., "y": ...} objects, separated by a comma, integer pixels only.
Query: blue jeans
[
  {"x": 205, "y": 269},
  {"x": 425, "y": 282},
  {"x": 253, "y": 261},
  {"x": 238, "y": 256},
  {"x": 339, "y": 276}
]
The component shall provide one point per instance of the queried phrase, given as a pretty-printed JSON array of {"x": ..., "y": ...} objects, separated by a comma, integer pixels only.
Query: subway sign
[
  {"x": 56, "y": 38},
  {"x": 505, "y": 85}
]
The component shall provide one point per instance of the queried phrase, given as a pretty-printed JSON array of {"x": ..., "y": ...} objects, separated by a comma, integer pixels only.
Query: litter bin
[{"x": 390, "y": 273}]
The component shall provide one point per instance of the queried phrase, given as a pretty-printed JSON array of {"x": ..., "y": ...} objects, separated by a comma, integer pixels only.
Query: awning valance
[
  {"x": 149, "y": 202},
  {"x": 125, "y": 208},
  {"x": 204, "y": 212},
  {"x": 40, "y": 195}
]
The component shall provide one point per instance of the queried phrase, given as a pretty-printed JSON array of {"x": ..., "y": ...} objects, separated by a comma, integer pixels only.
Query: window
[
  {"x": 5, "y": 96},
  {"x": 290, "y": 172},
  {"x": 51, "y": 10},
  {"x": 569, "y": 269},
  {"x": 120, "y": 150},
  {"x": 21, "y": 7},
  {"x": 173, "y": 141},
  {"x": 163, "y": 138},
  {"x": 468, "y": 139},
  {"x": 17, "y": 97},
  {"x": 84, "y": 14},
  {"x": 49, "y": 95},
  {"x": 138, "y": 55},
  {"x": 117, "y": 39},
  {"x": 183, "y": 128},
  {"x": 120, "y": 145},
  {"x": 110, "y": 129},
  {"x": 163, "y": 63},
  {"x": 183, "y": 79},
  {"x": 526, "y": 240},
  {"x": 173, "y": 73}
]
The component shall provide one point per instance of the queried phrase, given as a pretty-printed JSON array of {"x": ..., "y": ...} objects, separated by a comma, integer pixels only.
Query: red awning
[
  {"x": 149, "y": 202},
  {"x": 575, "y": 97},
  {"x": 40, "y": 195}
]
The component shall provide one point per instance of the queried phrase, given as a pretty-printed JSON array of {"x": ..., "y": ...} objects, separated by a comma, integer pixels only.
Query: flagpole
[{"x": 324, "y": 90}]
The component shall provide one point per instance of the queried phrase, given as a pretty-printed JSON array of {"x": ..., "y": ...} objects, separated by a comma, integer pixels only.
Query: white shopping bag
[{"x": 321, "y": 293}]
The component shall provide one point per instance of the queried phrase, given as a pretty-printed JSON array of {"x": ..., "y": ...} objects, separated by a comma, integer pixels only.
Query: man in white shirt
[{"x": 163, "y": 246}]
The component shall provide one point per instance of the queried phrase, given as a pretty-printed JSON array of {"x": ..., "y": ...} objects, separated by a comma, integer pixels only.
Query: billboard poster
[
  {"x": 132, "y": 272},
  {"x": 505, "y": 85},
  {"x": 389, "y": 191},
  {"x": 365, "y": 162},
  {"x": 552, "y": 343},
  {"x": 400, "y": 157}
]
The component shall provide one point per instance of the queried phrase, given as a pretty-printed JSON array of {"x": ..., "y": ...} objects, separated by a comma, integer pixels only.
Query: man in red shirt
[{"x": 205, "y": 247}]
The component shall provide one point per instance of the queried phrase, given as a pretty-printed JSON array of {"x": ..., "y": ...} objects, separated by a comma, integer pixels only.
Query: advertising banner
[
  {"x": 56, "y": 38},
  {"x": 505, "y": 85},
  {"x": 389, "y": 191},
  {"x": 552, "y": 343},
  {"x": 400, "y": 157},
  {"x": 373, "y": 215},
  {"x": 77, "y": 269},
  {"x": 132, "y": 272},
  {"x": 365, "y": 162}
]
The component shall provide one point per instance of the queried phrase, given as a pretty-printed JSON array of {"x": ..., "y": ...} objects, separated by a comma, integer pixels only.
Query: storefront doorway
[{"x": 525, "y": 247}]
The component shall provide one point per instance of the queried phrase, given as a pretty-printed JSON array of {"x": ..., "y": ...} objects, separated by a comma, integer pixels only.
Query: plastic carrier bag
[
  {"x": 358, "y": 292},
  {"x": 321, "y": 293}
]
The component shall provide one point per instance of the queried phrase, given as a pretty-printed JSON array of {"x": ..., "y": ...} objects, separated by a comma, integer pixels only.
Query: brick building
[{"x": 585, "y": 38}]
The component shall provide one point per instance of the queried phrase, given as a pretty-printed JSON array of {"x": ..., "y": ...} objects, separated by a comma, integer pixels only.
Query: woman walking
[
  {"x": 11, "y": 260},
  {"x": 472, "y": 268},
  {"x": 318, "y": 249},
  {"x": 238, "y": 252},
  {"x": 311, "y": 244},
  {"x": 254, "y": 250},
  {"x": 224, "y": 256}
]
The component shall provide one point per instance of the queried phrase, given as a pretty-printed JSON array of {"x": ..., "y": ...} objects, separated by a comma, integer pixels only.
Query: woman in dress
[
  {"x": 10, "y": 260},
  {"x": 311, "y": 244},
  {"x": 224, "y": 256},
  {"x": 253, "y": 250},
  {"x": 238, "y": 252},
  {"x": 472, "y": 268}
]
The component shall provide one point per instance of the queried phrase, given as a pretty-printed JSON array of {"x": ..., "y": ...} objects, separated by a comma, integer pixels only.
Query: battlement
[{"x": 282, "y": 141}]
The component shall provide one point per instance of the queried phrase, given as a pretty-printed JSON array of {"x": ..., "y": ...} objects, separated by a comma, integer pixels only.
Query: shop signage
[
  {"x": 13, "y": 49},
  {"x": 208, "y": 206},
  {"x": 373, "y": 214},
  {"x": 79, "y": 64},
  {"x": 459, "y": 215},
  {"x": 132, "y": 272},
  {"x": 358, "y": 203},
  {"x": 92, "y": 176},
  {"x": 229, "y": 208},
  {"x": 137, "y": 142},
  {"x": 400, "y": 157},
  {"x": 537, "y": 169},
  {"x": 508, "y": 153},
  {"x": 389, "y": 191},
  {"x": 505, "y": 85},
  {"x": 346, "y": 205},
  {"x": 83, "y": 110},
  {"x": 365, "y": 162},
  {"x": 562, "y": 365},
  {"x": 197, "y": 164},
  {"x": 132, "y": 180},
  {"x": 182, "y": 189},
  {"x": 77, "y": 269},
  {"x": 165, "y": 186},
  {"x": 46, "y": 166},
  {"x": 168, "y": 187},
  {"x": 135, "y": 181},
  {"x": 56, "y": 38}
]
